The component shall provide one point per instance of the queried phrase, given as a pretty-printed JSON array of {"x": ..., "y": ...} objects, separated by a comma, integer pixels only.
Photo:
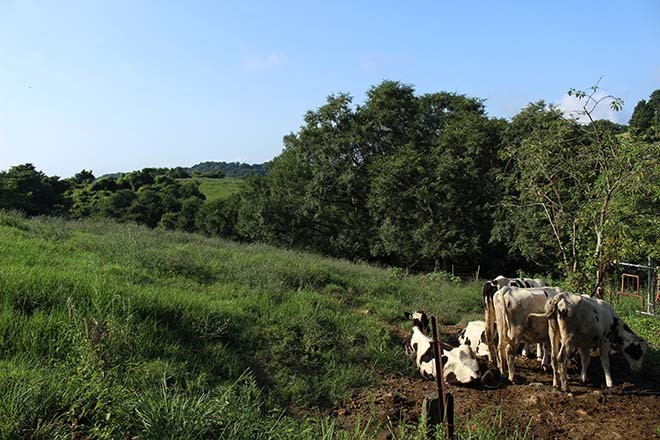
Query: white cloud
[
  {"x": 573, "y": 108},
  {"x": 260, "y": 62}
]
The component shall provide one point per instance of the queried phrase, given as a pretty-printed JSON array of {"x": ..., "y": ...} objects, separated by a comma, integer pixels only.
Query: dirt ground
[{"x": 630, "y": 409}]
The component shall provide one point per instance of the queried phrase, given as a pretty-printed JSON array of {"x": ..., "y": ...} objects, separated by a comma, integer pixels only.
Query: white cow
[
  {"x": 512, "y": 305},
  {"x": 474, "y": 335},
  {"x": 581, "y": 322},
  {"x": 489, "y": 289},
  {"x": 459, "y": 365}
]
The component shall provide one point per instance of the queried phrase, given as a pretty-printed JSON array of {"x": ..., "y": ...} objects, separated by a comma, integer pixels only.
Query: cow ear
[{"x": 407, "y": 315}]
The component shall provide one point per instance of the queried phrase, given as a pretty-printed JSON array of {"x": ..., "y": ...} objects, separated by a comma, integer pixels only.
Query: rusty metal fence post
[{"x": 445, "y": 407}]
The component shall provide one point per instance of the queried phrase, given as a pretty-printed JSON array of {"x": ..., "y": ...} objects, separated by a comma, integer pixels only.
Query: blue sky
[{"x": 118, "y": 85}]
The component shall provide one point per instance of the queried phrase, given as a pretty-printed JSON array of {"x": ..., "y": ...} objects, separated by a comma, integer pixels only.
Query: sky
[{"x": 119, "y": 85}]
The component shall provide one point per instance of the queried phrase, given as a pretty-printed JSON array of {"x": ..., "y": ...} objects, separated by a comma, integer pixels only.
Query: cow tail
[
  {"x": 490, "y": 319},
  {"x": 551, "y": 306},
  {"x": 507, "y": 325}
]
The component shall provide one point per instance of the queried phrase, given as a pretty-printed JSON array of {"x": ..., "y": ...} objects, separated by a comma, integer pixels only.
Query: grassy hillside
[
  {"x": 119, "y": 331},
  {"x": 218, "y": 189},
  {"x": 109, "y": 330}
]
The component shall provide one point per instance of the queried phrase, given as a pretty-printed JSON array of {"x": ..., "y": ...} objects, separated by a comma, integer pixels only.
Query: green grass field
[
  {"x": 118, "y": 331},
  {"x": 218, "y": 189},
  {"x": 109, "y": 329}
]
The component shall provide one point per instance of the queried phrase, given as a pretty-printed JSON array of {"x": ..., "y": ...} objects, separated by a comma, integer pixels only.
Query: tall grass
[
  {"x": 109, "y": 330},
  {"x": 115, "y": 331}
]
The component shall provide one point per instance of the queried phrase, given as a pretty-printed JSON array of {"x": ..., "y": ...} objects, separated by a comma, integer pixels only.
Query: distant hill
[
  {"x": 231, "y": 169},
  {"x": 112, "y": 175}
]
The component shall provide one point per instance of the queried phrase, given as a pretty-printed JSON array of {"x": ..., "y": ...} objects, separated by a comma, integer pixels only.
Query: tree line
[
  {"x": 413, "y": 181},
  {"x": 230, "y": 169}
]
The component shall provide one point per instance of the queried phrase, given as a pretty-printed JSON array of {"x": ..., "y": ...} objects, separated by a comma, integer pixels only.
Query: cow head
[
  {"x": 633, "y": 347},
  {"x": 418, "y": 319},
  {"x": 420, "y": 328}
]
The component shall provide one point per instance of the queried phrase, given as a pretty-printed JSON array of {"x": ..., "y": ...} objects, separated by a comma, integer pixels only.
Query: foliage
[
  {"x": 24, "y": 188},
  {"x": 113, "y": 329},
  {"x": 568, "y": 187},
  {"x": 216, "y": 174},
  {"x": 218, "y": 217},
  {"x": 421, "y": 182},
  {"x": 404, "y": 179},
  {"x": 230, "y": 169},
  {"x": 644, "y": 120}
]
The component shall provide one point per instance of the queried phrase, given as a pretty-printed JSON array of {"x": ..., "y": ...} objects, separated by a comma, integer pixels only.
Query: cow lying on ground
[
  {"x": 581, "y": 322},
  {"x": 489, "y": 289},
  {"x": 474, "y": 335},
  {"x": 512, "y": 306},
  {"x": 459, "y": 365}
]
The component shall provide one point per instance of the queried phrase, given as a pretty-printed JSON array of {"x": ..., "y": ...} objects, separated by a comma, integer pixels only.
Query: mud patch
[{"x": 630, "y": 409}]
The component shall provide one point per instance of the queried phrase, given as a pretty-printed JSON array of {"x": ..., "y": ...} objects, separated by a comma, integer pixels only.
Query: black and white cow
[
  {"x": 474, "y": 335},
  {"x": 489, "y": 289},
  {"x": 583, "y": 323},
  {"x": 512, "y": 306},
  {"x": 459, "y": 365}
]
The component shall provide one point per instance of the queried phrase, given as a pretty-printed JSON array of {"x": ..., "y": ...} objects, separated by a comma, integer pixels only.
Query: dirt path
[{"x": 630, "y": 410}]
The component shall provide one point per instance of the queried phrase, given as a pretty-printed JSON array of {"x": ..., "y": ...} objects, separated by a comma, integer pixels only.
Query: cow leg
[
  {"x": 502, "y": 342},
  {"x": 545, "y": 361},
  {"x": 525, "y": 350},
  {"x": 501, "y": 356},
  {"x": 563, "y": 365},
  {"x": 554, "y": 353},
  {"x": 510, "y": 358},
  {"x": 489, "y": 332},
  {"x": 585, "y": 356},
  {"x": 605, "y": 362}
]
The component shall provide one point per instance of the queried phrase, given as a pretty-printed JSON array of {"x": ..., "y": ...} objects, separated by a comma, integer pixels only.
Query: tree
[
  {"x": 218, "y": 218},
  {"x": 83, "y": 177},
  {"x": 316, "y": 195},
  {"x": 137, "y": 179},
  {"x": 147, "y": 207},
  {"x": 403, "y": 178},
  {"x": 116, "y": 205},
  {"x": 565, "y": 184},
  {"x": 25, "y": 188},
  {"x": 645, "y": 122},
  {"x": 86, "y": 201},
  {"x": 431, "y": 197}
]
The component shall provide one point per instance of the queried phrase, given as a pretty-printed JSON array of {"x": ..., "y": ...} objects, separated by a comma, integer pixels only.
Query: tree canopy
[
  {"x": 645, "y": 122},
  {"x": 416, "y": 181},
  {"x": 405, "y": 179}
]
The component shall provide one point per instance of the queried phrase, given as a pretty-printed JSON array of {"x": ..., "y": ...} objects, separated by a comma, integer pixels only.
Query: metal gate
[{"x": 631, "y": 286}]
